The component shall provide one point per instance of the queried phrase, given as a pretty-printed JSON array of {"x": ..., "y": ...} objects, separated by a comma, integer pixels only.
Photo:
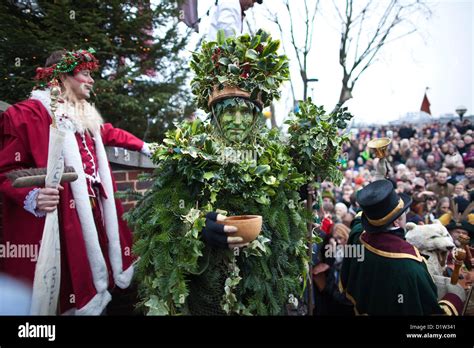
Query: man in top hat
[
  {"x": 392, "y": 278},
  {"x": 95, "y": 241},
  {"x": 229, "y": 16}
]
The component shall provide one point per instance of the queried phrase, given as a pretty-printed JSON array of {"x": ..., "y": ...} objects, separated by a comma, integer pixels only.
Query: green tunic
[
  {"x": 177, "y": 272},
  {"x": 392, "y": 278}
]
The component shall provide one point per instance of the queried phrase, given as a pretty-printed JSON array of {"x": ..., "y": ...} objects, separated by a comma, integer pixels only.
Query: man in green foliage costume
[{"x": 190, "y": 264}]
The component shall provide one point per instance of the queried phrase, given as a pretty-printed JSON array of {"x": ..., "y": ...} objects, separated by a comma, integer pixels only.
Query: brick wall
[
  {"x": 126, "y": 168},
  {"x": 127, "y": 179}
]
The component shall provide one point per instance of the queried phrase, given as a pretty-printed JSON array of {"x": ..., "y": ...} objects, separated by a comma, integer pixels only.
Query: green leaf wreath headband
[{"x": 71, "y": 62}]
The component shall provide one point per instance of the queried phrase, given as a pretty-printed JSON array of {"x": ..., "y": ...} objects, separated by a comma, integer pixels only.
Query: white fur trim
[
  {"x": 82, "y": 203},
  {"x": 84, "y": 211},
  {"x": 44, "y": 97},
  {"x": 122, "y": 279},
  {"x": 69, "y": 312},
  {"x": 94, "y": 307},
  {"x": 77, "y": 117},
  {"x": 97, "y": 305},
  {"x": 146, "y": 149}
]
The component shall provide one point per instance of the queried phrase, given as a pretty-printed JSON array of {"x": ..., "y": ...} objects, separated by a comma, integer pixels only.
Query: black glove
[{"x": 213, "y": 234}]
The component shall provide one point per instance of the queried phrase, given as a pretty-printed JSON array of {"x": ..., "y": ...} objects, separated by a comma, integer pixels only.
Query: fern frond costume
[{"x": 200, "y": 169}]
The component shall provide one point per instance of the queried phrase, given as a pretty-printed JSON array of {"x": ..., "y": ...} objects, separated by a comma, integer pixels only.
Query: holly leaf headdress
[{"x": 245, "y": 66}]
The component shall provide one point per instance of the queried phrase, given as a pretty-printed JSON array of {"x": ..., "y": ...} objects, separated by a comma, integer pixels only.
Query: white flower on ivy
[
  {"x": 257, "y": 247},
  {"x": 293, "y": 301},
  {"x": 157, "y": 306},
  {"x": 191, "y": 216}
]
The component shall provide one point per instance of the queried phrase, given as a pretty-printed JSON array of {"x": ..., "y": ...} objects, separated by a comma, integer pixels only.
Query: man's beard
[{"x": 83, "y": 114}]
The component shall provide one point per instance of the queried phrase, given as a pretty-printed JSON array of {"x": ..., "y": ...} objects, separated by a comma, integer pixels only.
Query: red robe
[{"x": 24, "y": 136}]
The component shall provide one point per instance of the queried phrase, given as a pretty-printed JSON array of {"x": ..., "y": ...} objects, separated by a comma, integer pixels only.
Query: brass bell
[{"x": 379, "y": 146}]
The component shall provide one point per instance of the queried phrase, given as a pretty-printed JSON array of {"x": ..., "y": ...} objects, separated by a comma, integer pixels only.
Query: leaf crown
[
  {"x": 247, "y": 63},
  {"x": 70, "y": 62}
]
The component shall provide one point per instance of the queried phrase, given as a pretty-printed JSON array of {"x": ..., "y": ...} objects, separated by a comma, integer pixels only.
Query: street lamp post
[{"x": 461, "y": 110}]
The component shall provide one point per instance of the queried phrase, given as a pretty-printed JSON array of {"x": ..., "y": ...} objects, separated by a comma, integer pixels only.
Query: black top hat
[{"x": 381, "y": 205}]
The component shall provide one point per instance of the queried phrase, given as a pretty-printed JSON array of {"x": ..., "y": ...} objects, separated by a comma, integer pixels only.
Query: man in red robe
[{"x": 95, "y": 242}]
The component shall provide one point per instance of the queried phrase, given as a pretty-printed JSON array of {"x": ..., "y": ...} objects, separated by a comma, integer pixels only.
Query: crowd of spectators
[{"x": 433, "y": 163}]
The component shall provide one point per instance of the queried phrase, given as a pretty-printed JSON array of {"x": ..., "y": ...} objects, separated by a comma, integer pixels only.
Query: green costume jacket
[{"x": 391, "y": 278}]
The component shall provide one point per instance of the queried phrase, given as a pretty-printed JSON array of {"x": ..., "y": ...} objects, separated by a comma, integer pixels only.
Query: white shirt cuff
[
  {"x": 146, "y": 150},
  {"x": 30, "y": 203}
]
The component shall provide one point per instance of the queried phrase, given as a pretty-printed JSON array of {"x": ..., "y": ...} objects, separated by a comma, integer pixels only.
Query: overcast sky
[{"x": 440, "y": 56}]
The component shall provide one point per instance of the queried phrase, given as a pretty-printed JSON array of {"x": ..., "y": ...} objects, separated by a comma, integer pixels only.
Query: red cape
[{"x": 24, "y": 137}]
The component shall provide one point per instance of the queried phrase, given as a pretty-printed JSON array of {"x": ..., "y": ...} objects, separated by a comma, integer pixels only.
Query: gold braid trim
[
  {"x": 388, "y": 217},
  {"x": 444, "y": 304}
]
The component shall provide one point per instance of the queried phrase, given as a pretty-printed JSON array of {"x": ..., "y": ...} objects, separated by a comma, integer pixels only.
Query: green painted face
[{"x": 236, "y": 122}]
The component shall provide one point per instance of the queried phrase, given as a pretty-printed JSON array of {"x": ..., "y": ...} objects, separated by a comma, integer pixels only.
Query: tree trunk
[
  {"x": 273, "y": 119},
  {"x": 346, "y": 94}
]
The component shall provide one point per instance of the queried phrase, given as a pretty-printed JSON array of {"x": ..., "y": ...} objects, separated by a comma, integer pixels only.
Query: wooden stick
[
  {"x": 459, "y": 257},
  {"x": 464, "y": 240},
  {"x": 309, "y": 206},
  {"x": 36, "y": 177},
  {"x": 468, "y": 300},
  {"x": 39, "y": 180}
]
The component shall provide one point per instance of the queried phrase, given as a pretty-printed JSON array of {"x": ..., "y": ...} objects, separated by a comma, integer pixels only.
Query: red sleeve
[
  {"x": 118, "y": 137},
  {"x": 13, "y": 156}
]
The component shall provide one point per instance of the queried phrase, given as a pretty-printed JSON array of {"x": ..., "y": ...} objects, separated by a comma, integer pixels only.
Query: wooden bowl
[{"x": 249, "y": 226}]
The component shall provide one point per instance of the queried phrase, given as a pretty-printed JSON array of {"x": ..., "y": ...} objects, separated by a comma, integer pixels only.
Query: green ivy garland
[
  {"x": 316, "y": 139},
  {"x": 196, "y": 173}
]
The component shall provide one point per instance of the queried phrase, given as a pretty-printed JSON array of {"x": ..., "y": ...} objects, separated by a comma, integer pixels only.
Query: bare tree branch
[
  {"x": 388, "y": 24},
  {"x": 337, "y": 11},
  {"x": 274, "y": 18},
  {"x": 312, "y": 26},
  {"x": 301, "y": 52},
  {"x": 362, "y": 16},
  {"x": 293, "y": 41}
]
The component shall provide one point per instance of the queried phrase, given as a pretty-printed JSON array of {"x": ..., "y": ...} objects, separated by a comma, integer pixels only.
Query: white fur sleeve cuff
[{"x": 146, "y": 150}]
